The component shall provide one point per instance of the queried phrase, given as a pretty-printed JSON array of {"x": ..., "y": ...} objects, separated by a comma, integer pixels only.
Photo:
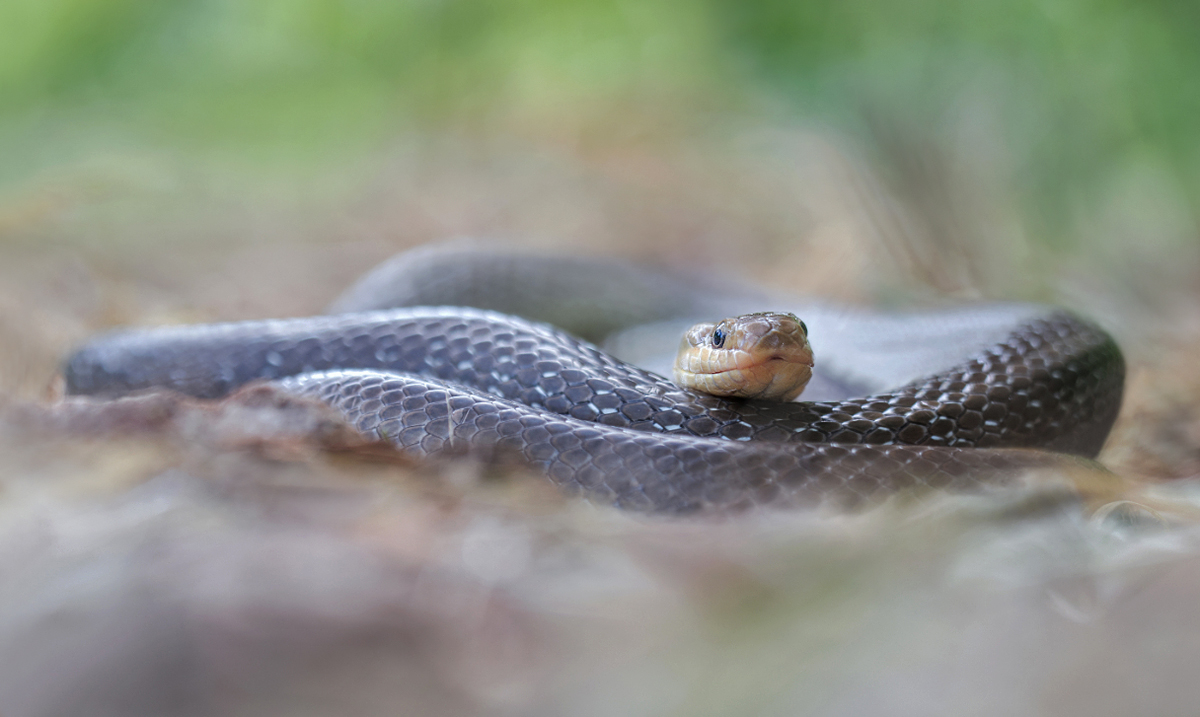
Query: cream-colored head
[{"x": 763, "y": 356}]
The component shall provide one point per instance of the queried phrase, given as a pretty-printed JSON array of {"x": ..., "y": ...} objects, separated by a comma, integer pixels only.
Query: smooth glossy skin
[
  {"x": 560, "y": 405},
  {"x": 764, "y": 355}
]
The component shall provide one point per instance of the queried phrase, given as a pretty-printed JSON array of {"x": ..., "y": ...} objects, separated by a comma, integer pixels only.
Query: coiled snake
[{"x": 983, "y": 383}]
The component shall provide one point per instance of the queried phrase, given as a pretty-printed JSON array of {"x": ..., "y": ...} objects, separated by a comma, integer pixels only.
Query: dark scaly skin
[
  {"x": 640, "y": 470},
  {"x": 588, "y": 297},
  {"x": 1054, "y": 383}
]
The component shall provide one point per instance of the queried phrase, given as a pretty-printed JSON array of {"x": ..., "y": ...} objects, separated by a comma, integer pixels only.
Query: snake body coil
[{"x": 449, "y": 379}]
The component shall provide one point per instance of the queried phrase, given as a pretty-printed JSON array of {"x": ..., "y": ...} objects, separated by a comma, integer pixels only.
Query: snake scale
[{"x": 460, "y": 380}]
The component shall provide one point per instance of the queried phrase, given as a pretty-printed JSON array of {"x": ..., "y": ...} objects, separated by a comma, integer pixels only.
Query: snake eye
[
  {"x": 804, "y": 328},
  {"x": 718, "y": 338}
]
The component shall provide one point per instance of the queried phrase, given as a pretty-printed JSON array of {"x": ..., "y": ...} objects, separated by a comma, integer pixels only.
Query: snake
[{"x": 492, "y": 354}]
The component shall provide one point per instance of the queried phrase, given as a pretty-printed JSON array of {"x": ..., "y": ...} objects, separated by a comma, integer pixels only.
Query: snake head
[{"x": 764, "y": 355}]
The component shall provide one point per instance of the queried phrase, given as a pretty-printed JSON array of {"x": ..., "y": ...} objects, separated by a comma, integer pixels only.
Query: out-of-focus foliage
[
  {"x": 1084, "y": 92},
  {"x": 305, "y": 76},
  {"x": 1090, "y": 101}
]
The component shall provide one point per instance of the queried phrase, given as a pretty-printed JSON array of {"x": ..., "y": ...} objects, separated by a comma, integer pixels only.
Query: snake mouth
[
  {"x": 806, "y": 362},
  {"x": 777, "y": 359},
  {"x": 774, "y": 377},
  {"x": 773, "y": 360}
]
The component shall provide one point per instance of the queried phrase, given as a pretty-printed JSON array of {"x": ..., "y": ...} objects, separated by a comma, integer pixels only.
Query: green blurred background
[{"x": 1077, "y": 117}]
